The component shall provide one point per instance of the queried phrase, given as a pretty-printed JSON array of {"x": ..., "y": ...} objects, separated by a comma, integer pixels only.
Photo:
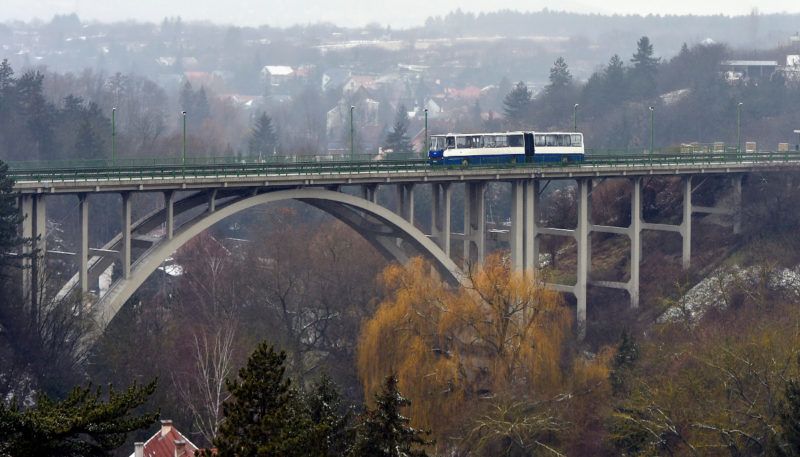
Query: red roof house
[{"x": 167, "y": 442}]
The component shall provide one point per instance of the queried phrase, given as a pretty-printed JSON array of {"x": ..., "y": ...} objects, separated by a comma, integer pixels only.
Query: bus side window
[
  {"x": 451, "y": 142},
  {"x": 551, "y": 140},
  {"x": 565, "y": 140},
  {"x": 488, "y": 141},
  {"x": 477, "y": 142},
  {"x": 515, "y": 140},
  {"x": 539, "y": 140},
  {"x": 461, "y": 142},
  {"x": 576, "y": 140}
]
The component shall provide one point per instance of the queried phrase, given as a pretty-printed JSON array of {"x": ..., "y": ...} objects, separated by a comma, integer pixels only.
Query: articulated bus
[{"x": 519, "y": 147}]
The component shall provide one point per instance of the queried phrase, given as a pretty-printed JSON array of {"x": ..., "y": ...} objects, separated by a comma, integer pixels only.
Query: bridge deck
[{"x": 144, "y": 177}]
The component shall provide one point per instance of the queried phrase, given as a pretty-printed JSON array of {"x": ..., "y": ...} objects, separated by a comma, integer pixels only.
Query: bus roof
[{"x": 509, "y": 133}]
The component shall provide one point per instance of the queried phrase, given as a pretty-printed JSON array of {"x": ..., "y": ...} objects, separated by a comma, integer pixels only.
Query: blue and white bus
[{"x": 519, "y": 147}]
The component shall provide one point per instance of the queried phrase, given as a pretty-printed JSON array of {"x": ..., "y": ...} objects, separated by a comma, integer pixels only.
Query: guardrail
[{"x": 170, "y": 168}]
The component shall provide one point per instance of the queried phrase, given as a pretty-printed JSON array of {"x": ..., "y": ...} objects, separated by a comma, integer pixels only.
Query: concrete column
[
  {"x": 737, "y": 204},
  {"x": 686, "y": 225},
  {"x": 436, "y": 202},
  {"x": 517, "y": 232},
  {"x": 169, "y": 209},
  {"x": 405, "y": 201},
  {"x": 26, "y": 210},
  {"x": 531, "y": 261},
  {"x": 212, "y": 200},
  {"x": 635, "y": 233},
  {"x": 125, "y": 251},
  {"x": 40, "y": 247},
  {"x": 474, "y": 223},
  {"x": 83, "y": 250},
  {"x": 447, "y": 197},
  {"x": 370, "y": 192},
  {"x": 537, "y": 211},
  {"x": 440, "y": 217},
  {"x": 582, "y": 240}
]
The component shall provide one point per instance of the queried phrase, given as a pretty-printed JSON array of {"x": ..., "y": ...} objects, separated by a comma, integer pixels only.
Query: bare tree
[{"x": 203, "y": 389}]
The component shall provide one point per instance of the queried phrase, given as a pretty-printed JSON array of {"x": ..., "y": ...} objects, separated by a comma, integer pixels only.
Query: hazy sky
[{"x": 357, "y": 12}]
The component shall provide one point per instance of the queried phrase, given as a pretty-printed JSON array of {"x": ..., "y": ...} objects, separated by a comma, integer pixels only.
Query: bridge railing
[{"x": 205, "y": 167}]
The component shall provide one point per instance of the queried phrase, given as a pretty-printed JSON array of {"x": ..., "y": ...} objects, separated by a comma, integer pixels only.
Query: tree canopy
[
  {"x": 263, "y": 139},
  {"x": 86, "y": 423},
  {"x": 397, "y": 140},
  {"x": 264, "y": 414}
]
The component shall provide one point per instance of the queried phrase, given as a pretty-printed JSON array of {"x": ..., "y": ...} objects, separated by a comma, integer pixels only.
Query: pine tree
[
  {"x": 263, "y": 140},
  {"x": 186, "y": 97},
  {"x": 517, "y": 105},
  {"x": 624, "y": 359},
  {"x": 88, "y": 144},
  {"x": 645, "y": 67},
  {"x": 384, "y": 431},
  {"x": 10, "y": 219},
  {"x": 614, "y": 76},
  {"x": 83, "y": 424},
  {"x": 264, "y": 416},
  {"x": 330, "y": 436},
  {"x": 397, "y": 140},
  {"x": 560, "y": 77},
  {"x": 790, "y": 418},
  {"x": 6, "y": 77},
  {"x": 201, "y": 110}
]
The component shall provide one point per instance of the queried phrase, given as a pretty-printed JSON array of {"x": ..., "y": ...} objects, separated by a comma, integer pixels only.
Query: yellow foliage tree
[{"x": 501, "y": 337}]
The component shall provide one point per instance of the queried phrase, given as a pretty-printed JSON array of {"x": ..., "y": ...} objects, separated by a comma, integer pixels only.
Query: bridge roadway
[
  {"x": 212, "y": 189},
  {"x": 140, "y": 177}
]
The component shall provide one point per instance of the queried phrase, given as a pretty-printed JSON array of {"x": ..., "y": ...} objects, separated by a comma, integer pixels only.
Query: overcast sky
[{"x": 356, "y": 12}]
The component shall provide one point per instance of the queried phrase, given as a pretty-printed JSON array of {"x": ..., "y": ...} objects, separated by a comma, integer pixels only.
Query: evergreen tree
[
  {"x": 201, "y": 110},
  {"x": 645, "y": 68},
  {"x": 83, "y": 424},
  {"x": 263, "y": 139},
  {"x": 88, "y": 144},
  {"x": 186, "y": 97},
  {"x": 624, "y": 359},
  {"x": 560, "y": 77},
  {"x": 517, "y": 105},
  {"x": 330, "y": 435},
  {"x": 10, "y": 219},
  {"x": 790, "y": 418},
  {"x": 614, "y": 76},
  {"x": 264, "y": 416},
  {"x": 195, "y": 103},
  {"x": 384, "y": 431},
  {"x": 38, "y": 114},
  {"x": 397, "y": 140}
]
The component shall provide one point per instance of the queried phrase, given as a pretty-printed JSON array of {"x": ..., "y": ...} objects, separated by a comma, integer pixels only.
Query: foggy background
[{"x": 355, "y": 12}]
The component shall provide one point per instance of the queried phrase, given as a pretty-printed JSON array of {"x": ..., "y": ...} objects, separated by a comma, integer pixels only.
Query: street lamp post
[
  {"x": 575, "y": 117},
  {"x": 183, "y": 155},
  {"x": 427, "y": 146},
  {"x": 352, "y": 135},
  {"x": 113, "y": 135},
  {"x": 652, "y": 110},
  {"x": 739, "y": 128}
]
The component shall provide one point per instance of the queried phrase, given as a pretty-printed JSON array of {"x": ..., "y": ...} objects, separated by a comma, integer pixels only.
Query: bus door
[{"x": 529, "y": 147}]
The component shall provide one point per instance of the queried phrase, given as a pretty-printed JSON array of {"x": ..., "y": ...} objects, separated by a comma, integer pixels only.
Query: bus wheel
[{"x": 465, "y": 163}]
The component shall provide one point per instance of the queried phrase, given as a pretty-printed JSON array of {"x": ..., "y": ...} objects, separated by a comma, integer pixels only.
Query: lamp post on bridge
[
  {"x": 652, "y": 110},
  {"x": 113, "y": 135},
  {"x": 575, "y": 117},
  {"x": 183, "y": 154},
  {"x": 739, "y": 128},
  {"x": 427, "y": 146},
  {"x": 352, "y": 135}
]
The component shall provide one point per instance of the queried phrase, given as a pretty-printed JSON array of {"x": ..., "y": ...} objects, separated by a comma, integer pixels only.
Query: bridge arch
[{"x": 389, "y": 233}]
